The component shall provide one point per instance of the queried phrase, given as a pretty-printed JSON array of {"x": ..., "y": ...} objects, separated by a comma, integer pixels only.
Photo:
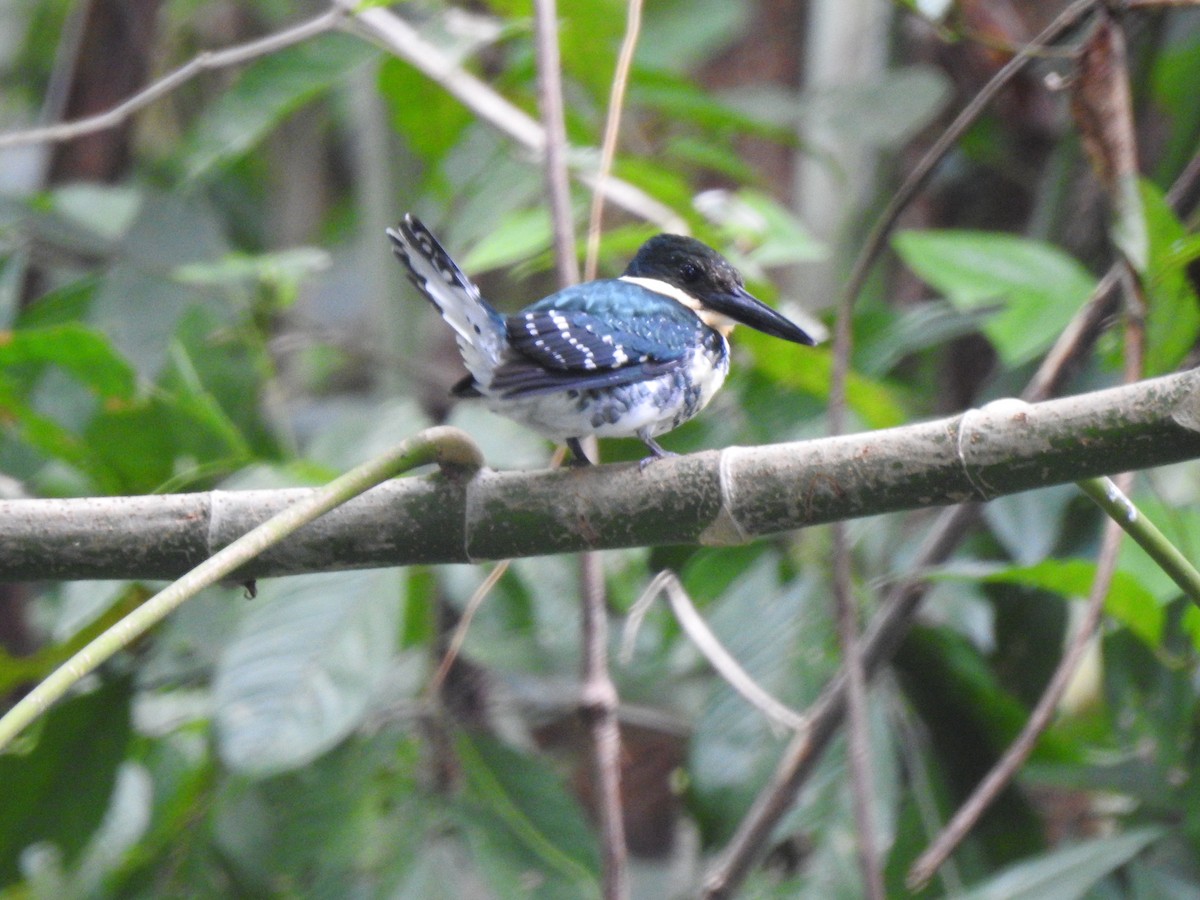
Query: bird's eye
[{"x": 689, "y": 271}]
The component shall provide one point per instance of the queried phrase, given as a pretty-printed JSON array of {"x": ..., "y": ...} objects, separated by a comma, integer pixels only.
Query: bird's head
[{"x": 704, "y": 281}]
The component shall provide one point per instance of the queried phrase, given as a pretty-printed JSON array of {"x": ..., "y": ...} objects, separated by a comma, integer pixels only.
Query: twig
[
  {"x": 858, "y": 730},
  {"x": 612, "y": 129},
  {"x": 209, "y": 60},
  {"x": 598, "y": 706},
  {"x": 400, "y": 38},
  {"x": 474, "y": 604},
  {"x": 802, "y": 754},
  {"x": 459, "y": 636},
  {"x": 448, "y": 447},
  {"x": 1080, "y": 333},
  {"x": 859, "y": 751},
  {"x": 667, "y": 583}
]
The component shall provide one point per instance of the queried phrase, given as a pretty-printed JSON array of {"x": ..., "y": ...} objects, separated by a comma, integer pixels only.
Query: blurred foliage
[{"x": 227, "y": 314}]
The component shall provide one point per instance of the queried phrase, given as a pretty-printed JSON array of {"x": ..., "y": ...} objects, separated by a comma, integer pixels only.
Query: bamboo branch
[{"x": 715, "y": 497}]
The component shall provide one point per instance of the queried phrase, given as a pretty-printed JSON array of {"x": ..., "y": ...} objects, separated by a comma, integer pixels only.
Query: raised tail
[{"x": 480, "y": 329}]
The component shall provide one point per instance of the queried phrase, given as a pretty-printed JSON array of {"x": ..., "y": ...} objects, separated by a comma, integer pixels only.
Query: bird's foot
[{"x": 656, "y": 452}]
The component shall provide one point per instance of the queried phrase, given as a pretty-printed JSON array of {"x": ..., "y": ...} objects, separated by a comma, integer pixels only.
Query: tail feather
[{"x": 480, "y": 329}]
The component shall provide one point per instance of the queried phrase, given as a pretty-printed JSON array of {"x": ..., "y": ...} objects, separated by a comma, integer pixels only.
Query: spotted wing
[{"x": 598, "y": 335}]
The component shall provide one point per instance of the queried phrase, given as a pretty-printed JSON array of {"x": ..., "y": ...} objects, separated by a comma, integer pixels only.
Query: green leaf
[
  {"x": 58, "y": 791},
  {"x": 681, "y": 36},
  {"x": 1032, "y": 289},
  {"x": 281, "y": 273},
  {"x": 137, "y": 306},
  {"x": 83, "y": 352},
  {"x": 1128, "y": 601},
  {"x": 520, "y": 818},
  {"x": 431, "y": 126},
  {"x": 267, "y": 92},
  {"x": 106, "y": 210},
  {"x": 51, "y": 439},
  {"x": 1172, "y": 308},
  {"x": 518, "y": 235},
  {"x": 266, "y": 830},
  {"x": 1176, "y": 71},
  {"x": 1130, "y": 231},
  {"x": 1067, "y": 873},
  {"x": 679, "y": 98},
  {"x": 782, "y": 636},
  {"x": 305, "y": 664},
  {"x": 875, "y": 402}
]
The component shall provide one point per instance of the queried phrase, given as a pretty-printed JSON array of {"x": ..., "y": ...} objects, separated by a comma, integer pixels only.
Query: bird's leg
[
  {"x": 578, "y": 457},
  {"x": 657, "y": 452}
]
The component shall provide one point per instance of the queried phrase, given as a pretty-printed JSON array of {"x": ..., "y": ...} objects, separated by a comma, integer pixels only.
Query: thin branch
[
  {"x": 448, "y": 447},
  {"x": 1185, "y": 183},
  {"x": 203, "y": 62},
  {"x": 612, "y": 130},
  {"x": 668, "y": 584},
  {"x": 1074, "y": 341},
  {"x": 598, "y": 705},
  {"x": 459, "y": 636},
  {"x": 802, "y": 754},
  {"x": 398, "y": 37}
]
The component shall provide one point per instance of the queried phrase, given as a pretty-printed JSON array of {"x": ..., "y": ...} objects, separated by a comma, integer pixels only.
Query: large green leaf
[
  {"x": 321, "y": 826},
  {"x": 1128, "y": 601},
  {"x": 77, "y": 349},
  {"x": 304, "y": 666},
  {"x": 519, "y": 819},
  {"x": 138, "y": 306},
  {"x": 876, "y": 402},
  {"x": 782, "y": 636},
  {"x": 267, "y": 92},
  {"x": 1066, "y": 873},
  {"x": 1172, "y": 307},
  {"x": 1032, "y": 288},
  {"x": 59, "y": 790}
]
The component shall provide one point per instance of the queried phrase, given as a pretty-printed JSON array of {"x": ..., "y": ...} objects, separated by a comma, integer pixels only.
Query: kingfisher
[{"x": 634, "y": 356}]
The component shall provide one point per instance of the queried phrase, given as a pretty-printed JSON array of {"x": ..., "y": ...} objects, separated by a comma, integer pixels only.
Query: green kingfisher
[{"x": 634, "y": 356}]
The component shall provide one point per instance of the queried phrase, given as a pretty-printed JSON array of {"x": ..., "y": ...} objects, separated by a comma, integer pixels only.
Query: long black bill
[{"x": 742, "y": 306}]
